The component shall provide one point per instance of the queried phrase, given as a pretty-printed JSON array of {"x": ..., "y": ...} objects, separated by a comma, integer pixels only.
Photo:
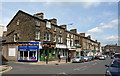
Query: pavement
[
  {"x": 5, "y": 68},
  {"x": 44, "y": 63}
]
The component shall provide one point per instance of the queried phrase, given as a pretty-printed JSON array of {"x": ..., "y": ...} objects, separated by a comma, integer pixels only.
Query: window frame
[
  {"x": 37, "y": 23},
  {"x": 37, "y": 35}
]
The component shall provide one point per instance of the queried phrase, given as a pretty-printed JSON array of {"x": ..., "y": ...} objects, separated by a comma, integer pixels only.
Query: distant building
[
  {"x": 1, "y": 30},
  {"x": 111, "y": 48}
]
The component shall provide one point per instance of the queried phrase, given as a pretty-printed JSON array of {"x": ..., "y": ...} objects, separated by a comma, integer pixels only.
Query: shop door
[{"x": 42, "y": 55}]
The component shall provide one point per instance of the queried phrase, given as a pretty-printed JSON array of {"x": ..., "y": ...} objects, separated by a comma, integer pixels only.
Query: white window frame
[
  {"x": 48, "y": 24},
  {"x": 47, "y": 36},
  {"x": 54, "y": 38},
  {"x": 60, "y": 39},
  {"x": 37, "y": 35},
  {"x": 12, "y": 52},
  {"x": 18, "y": 22},
  {"x": 14, "y": 38},
  {"x": 37, "y": 23}
]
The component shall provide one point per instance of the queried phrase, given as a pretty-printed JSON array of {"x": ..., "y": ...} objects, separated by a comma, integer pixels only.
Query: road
[{"x": 92, "y": 67}]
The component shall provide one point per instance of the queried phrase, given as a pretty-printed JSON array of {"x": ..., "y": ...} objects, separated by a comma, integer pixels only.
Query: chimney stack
[
  {"x": 39, "y": 15},
  {"x": 53, "y": 21},
  {"x": 82, "y": 34},
  {"x": 89, "y": 37},
  {"x": 73, "y": 30},
  {"x": 63, "y": 26}
]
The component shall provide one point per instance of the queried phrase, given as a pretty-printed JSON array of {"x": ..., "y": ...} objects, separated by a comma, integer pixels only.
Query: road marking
[
  {"x": 62, "y": 73},
  {"x": 84, "y": 69},
  {"x": 80, "y": 68},
  {"x": 94, "y": 64}
]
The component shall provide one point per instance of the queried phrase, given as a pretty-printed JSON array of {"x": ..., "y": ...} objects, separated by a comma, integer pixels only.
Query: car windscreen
[
  {"x": 116, "y": 64},
  {"x": 77, "y": 57},
  {"x": 117, "y": 56}
]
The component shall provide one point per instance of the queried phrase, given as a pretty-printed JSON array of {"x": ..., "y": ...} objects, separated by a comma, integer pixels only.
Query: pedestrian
[
  {"x": 59, "y": 58},
  {"x": 46, "y": 59},
  {"x": 66, "y": 59},
  {"x": 69, "y": 59}
]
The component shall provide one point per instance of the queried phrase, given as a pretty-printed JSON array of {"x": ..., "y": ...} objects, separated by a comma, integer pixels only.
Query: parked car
[
  {"x": 86, "y": 58},
  {"x": 102, "y": 57},
  {"x": 97, "y": 57},
  {"x": 113, "y": 69},
  {"x": 116, "y": 56},
  {"x": 91, "y": 57},
  {"x": 105, "y": 56},
  {"x": 78, "y": 59}
]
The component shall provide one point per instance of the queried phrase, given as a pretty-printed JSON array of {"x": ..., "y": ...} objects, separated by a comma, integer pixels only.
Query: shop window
[
  {"x": 37, "y": 35},
  {"x": 25, "y": 53},
  {"x": 21, "y": 53}
]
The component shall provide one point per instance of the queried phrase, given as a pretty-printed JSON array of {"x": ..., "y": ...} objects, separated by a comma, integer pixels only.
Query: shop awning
[
  {"x": 93, "y": 50},
  {"x": 77, "y": 46}
]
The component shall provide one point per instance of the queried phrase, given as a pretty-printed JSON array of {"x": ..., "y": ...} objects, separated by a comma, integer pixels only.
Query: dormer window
[
  {"x": 37, "y": 23},
  {"x": 48, "y": 24},
  {"x": 18, "y": 22}
]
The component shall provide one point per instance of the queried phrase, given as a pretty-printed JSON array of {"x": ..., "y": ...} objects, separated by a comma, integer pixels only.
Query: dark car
[
  {"x": 92, "y": 57},
  {"x": 116, "y": 56},
  {"x": 97, "y": 57},
  {"x": 114, "y": 68}
]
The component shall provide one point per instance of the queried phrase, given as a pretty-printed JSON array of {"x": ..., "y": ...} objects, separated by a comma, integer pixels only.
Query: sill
[{"x": 37, "y": 40}]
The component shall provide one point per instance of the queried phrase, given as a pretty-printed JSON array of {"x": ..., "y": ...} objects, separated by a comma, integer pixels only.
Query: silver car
[
  {"x": 78, "y": 59},
  {"x": 86, "y": 58}
]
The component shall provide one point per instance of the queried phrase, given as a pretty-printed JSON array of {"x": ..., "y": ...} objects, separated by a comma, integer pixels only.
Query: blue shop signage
[{"x": 28, "y": 46}]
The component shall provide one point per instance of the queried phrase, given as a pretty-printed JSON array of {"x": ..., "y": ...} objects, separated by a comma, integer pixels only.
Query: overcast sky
[{"x": 99, "y": 19}]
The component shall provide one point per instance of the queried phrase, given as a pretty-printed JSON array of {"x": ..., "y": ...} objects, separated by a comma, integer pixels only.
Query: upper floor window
[
  {"x": 55, "y": 30},
  {"x": 48, "y": 24},
  {"x": 60, "y": 32},
  {"x": 60, "y": 39},
  {"x": 16, "y": 37},
  {"x": 47, "y": 36},
  {"x": 54, "y": 38},
  {"x": 37, "y": 35},
  {"x": 18, "y": 22},
  {"x": 67, "y": 35},
  {"x": 37, "y": 23}
]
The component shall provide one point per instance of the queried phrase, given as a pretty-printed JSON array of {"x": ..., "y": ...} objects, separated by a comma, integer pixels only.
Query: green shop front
[{"x": 48, "y": 49}]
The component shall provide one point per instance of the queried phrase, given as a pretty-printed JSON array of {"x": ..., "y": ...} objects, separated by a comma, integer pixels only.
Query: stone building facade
[{"x": 53, "y": 39}]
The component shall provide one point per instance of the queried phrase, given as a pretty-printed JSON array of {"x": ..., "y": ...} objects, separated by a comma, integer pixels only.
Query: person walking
[
  {"x": 46, "y": 59},
  {"x": 59, "y": 58}
]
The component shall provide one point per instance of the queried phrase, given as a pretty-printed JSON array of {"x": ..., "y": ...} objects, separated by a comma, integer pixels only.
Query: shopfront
[
  {"x": 72, "y": 51},
  {"x": 48, "y": 49},
  {"x": 28, "y": 51},
  {"x": 62, "y": 50}
]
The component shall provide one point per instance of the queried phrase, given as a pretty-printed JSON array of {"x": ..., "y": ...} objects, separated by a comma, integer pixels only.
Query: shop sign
[
  {"x": 60, "y": 46},
  {"x": 48, "y": 46},
  {"x": 28, "y": 46}
]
